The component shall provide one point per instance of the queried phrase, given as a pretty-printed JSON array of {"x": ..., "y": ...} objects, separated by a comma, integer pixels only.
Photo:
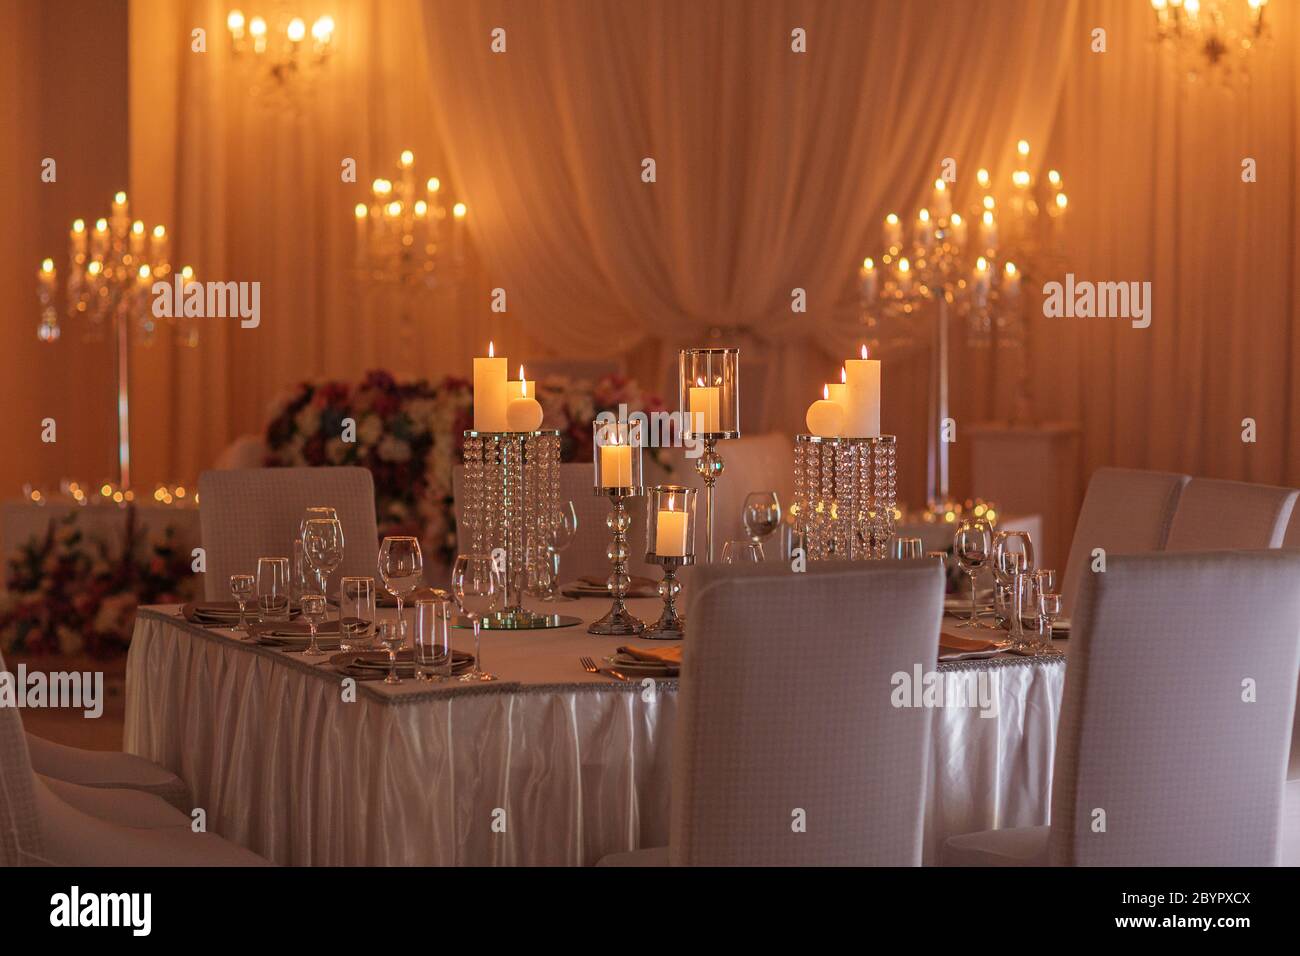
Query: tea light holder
[
  {"x": 669, "y": 543},
  {"x": 616, "y": 450},
  {"x": 708, "y": 394}
]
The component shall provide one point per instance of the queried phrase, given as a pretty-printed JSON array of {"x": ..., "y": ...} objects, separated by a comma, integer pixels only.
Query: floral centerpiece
[
  {"x": 68, "y": 594},
  {"x": 410, "y": 436}
]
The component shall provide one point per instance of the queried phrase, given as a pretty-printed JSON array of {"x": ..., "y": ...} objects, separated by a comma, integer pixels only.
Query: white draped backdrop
[{"x": 774, "y": 170}]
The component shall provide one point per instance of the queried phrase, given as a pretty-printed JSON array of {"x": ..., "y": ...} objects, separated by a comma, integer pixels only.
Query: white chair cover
[
  {"x": 1155, "y": 728},
  {"x": 253, "y": 513},
  {"x": 107, "y": 769},
  {"x": 1223, "y": 515},
  {"x": 20, "y": 833},
  {"x": 785, "y": 714},
  {"x": 1124, "y": 511}
]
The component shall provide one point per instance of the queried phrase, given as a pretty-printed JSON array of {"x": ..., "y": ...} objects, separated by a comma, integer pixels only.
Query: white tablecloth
[{"x": 550, "y": 766}]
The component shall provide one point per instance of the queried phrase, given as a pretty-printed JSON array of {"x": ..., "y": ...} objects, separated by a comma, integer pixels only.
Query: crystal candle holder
[
  {"x": 845, "y": 496},
  {"x": 708, "y": 394},
  {"x": 616, "y": 449},
  {"x": 670, "y": 543}
]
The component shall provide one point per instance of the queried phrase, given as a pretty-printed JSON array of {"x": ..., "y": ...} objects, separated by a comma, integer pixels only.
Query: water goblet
[
  {"x": 1049, "y": 609},
  {"x": 563, "y": 530},
  {"x": 1044, "y": 583},
  {"x": 970, "y": 545},
  {"x": 400, "y": 565},
  {"x": 241, "y": 588},
  {"x": 742, "y": 552},
  {"x": 762, "y": 516},
  {"x": 475, "y": 583}
]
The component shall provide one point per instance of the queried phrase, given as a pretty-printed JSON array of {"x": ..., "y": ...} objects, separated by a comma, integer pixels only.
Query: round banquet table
[{"x": 548, "y": 766}]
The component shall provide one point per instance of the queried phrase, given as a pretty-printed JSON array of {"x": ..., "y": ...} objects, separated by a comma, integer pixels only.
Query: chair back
[
  {"x": 1176, "y": 717},
  {"x": 789, "y": 749},
  {"x": 1124, "y": 511},
  {"x": 20, "y": 834},
  {"x": 1230, "y": 515},
  {"x": 246, "y": 514}
]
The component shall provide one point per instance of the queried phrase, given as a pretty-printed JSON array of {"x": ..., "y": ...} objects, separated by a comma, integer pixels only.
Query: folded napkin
[
  {"x": 294, "y": 629},
  {"x": 953, "y": 647},
  {"x": 207, "y": 612},
  {"x": 671, "y": 656}
]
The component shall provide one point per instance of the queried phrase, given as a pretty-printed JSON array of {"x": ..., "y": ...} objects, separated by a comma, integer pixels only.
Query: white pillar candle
[
  {"x": 523, "y": 414},
  {"x": 863, "y": 397},
  {"x": 670, "y": 532},
  {"x": 616, "y": 466},
  {"x": 490, "y": 393},
  {"x": 825, "y": 418},
  {"x": 706, "y": 408}
]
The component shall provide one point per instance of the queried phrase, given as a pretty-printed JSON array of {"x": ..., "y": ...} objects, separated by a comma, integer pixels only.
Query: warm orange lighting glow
[
  {"x": 458, "y": 210},
  {"x": 360, "y": 211},
  {"x": 407, "y": 158},
  {"x": 297, "y": 29}
]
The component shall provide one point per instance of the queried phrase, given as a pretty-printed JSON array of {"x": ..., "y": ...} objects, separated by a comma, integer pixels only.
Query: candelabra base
[
  {"x": 619, "y": 622},
  {"x": 518, "y": 619}
]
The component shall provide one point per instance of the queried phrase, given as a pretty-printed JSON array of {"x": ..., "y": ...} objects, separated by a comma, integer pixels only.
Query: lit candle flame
[
  {"x": 826, "y": 393},
  {"x": 491, "y": 353},
  {"x": 864, "y": 348},
  {"x": 844, "y": 375}
]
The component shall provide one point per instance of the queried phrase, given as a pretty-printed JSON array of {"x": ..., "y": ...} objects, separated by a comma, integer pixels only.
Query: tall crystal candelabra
[
  {"x": 512, "y": 488},
  {"x": 407, "y": 241},
  {"x": 846, "y": 490},
  {"x": 975, "y": 265},
  {"x": 110, "y": 275},
  {"x": 708, "y": 394}
]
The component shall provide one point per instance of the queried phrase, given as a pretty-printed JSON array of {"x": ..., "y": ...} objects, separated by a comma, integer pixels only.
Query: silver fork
[{"x": 590, "y": 667}]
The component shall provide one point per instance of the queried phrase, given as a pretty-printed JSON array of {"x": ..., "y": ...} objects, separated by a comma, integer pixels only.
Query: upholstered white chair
[
  {"x": 52, "y": 822},
  {"x": 256, "y": 512},
  {"x": 1124, "y": 511},
  {"x": 1229, "y": 515},
  {"x": 788, "y": 748},
  {"x": 111, "y": 770},
  {"x": 1176, "y": 718}
]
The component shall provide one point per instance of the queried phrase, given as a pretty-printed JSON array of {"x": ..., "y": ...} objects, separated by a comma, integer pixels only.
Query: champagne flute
[
  {"x": 313, "y": 609},
  {"x": 970, "y": 545},
  {"x": 400, "y": 565},
  {"x": 241, "y": 587},
  {"x": 762, "y": 516},
  {"x": 563, "y": 529},
  {"x": 475, "y": 583}
]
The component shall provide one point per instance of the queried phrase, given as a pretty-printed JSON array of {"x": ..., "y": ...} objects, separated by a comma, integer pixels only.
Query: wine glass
[
  {"x": 475, "y": 583},
  {"x": 970, "y": 545},
  {"x": 762, "y": 516},
  {"x": 273, "y": 589},
  {"x": 241, "y": 587},
  {"x": 400, "y": 565},
  {"x": 563, "y": 530},
  {"x": 1004, "y": 542},
  {"x": 905, "y": 548},
  {"x": 742, "y": 552},
  {"x": 1044, "y": 583},
  {"x": 313, "y": 609},
  {"x": 322, "y": 545},
  {"x": 390, "y": 636},
  {"x": 300, "y": 566}
]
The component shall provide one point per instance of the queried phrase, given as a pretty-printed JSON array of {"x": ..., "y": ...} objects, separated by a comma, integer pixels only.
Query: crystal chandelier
[
  {"x": 1212, "y": 38},
  {"x": 280, "y": 56}
]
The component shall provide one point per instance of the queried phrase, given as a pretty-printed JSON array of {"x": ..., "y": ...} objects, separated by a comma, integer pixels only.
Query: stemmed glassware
[
  {"x": 301, "y": 567},
  {"x": 742, "y": 552},
  {"x": 241, "y": 587},
  {"x": 1004, "y": 543},
  {"x": 970, "y": 546},
  {"x": 762, "y": 516},
  {"x": 1049, "y": 609},
  {"x": 390, "y": 636},
  {"x": 562, "y": 533},
  {"x": 313, "y": 609},
  {"x": 1044, "y": 583},
  {"x": 1013, "y": 566},
  {"x": 400, "y": 565},
  {"x": 475, "y": 583}
]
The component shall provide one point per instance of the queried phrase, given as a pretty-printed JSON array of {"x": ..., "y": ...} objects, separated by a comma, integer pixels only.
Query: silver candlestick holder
[
  {"x": 512, "y": 482},
  {"x": 670, "y": 543},
  {"x": 708, "y": 393},
  {"x": 617, "y": 452}
]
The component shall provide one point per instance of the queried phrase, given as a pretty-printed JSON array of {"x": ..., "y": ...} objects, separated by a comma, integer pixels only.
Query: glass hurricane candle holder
[
  {"x": 670, "y": 543},
  {"x": 616, "y": 450},
  {"x": 708, "y": 394}
]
